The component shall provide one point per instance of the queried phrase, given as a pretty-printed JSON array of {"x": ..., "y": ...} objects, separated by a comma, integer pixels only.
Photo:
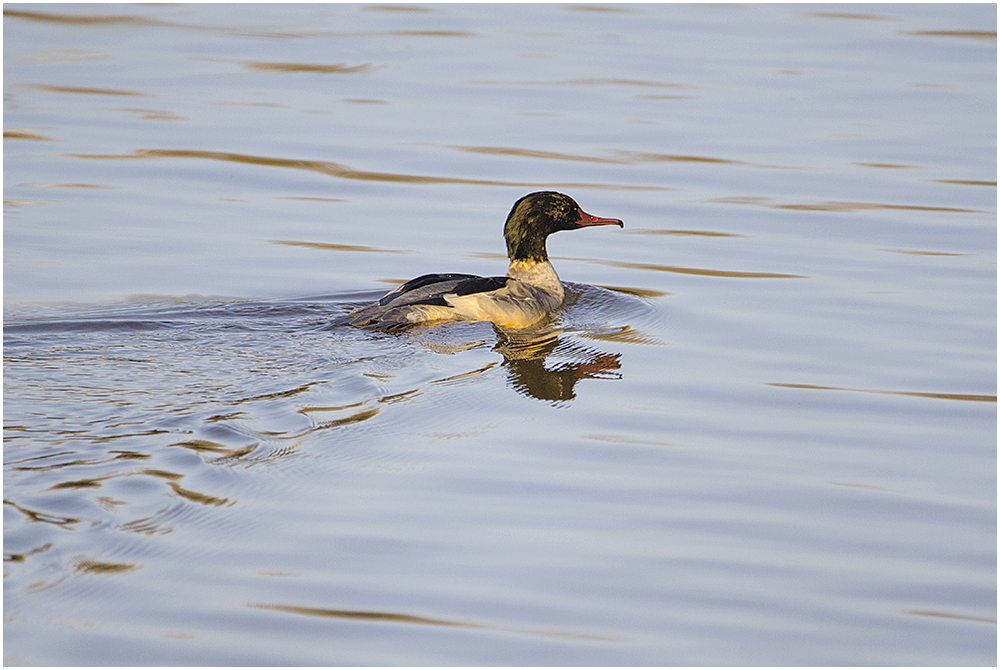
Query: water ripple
[
  {"x": 839, "y": 206},
  {"x": 344, "y": 172},
  {"x": 87, "y": 91},
  {"x": 95, "y": 566},
  {"x": 328, "y": 246},
  {"x": 971, "y": 397},
  {"x": 588, "y": 81},
  {"x": 619, "y": 157},
  {"x": 391, "y": 617},
  {"x": 79, "y": 19},
  {"x": 984, "y": 35},
  {"x": 25, "y": 134},
  {"x": 337, "y": 68},
  {"x": 43, "y": 517},
  {"x": 693, "y": 271}
]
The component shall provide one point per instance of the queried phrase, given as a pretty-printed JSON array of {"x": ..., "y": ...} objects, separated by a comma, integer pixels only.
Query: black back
[{"x": 472, "y": 284}]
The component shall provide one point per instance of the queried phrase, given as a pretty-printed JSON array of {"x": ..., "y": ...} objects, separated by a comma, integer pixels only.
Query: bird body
[{"x": 529, "y": 292}]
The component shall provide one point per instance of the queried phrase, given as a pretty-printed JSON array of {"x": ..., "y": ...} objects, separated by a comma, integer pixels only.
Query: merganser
[{"x": 529, "y": 292}]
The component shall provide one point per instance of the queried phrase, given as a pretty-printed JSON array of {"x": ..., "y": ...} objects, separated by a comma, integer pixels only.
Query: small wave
[
  {"x": 287, "y": 315},
  {"x": 340, "y": 171},
  {"x": 25, "y": 134},
  {"x": 80, "y": 19},
  {"x": 985, "y": 35},
  {"x": 839, "y": 206},
  {"x": 339, "y": 68},
  {"x": 394, "y": 617},
  {"x": 87, "y": 90},
  {"x": 89, "y": 325},
  {"x": 971, "y": 397}
]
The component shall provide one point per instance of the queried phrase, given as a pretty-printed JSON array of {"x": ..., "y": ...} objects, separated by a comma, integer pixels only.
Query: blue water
[{"x": 761, "y": 431}]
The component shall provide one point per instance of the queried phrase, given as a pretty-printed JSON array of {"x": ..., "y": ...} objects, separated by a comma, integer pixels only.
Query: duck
[{"x": 529, "y": 293}]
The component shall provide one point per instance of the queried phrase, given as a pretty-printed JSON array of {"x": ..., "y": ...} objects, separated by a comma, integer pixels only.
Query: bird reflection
[{"x": 526, "y": 351}]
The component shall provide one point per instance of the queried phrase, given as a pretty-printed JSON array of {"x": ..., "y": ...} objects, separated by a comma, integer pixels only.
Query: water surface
[{"x": 761, "y": 430}]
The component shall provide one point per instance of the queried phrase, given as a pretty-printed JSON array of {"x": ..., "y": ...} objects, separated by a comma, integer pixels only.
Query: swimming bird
[{"x": 529, "y": 292}]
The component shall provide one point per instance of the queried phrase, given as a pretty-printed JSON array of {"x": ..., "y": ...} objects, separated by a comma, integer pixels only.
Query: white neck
[{"x": 539, "y": 274}]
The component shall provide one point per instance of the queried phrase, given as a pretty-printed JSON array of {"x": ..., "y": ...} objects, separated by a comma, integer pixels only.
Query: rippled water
[{"x": 762, "y": 430}]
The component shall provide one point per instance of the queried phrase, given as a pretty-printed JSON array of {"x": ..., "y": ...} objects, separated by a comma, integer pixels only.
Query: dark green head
[{"x": 537, "y": 215}]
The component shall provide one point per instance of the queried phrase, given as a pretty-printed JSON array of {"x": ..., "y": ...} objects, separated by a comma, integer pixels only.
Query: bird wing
[
  {"x": 503, "y": 300},
  {"x": 411, "y": 288}
]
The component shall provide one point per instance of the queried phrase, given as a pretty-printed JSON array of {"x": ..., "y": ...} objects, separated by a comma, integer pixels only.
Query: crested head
[{"x": 537, "y": 215}]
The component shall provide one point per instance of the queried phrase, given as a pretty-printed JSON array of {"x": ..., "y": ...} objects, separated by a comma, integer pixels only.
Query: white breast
[
  {"x": 536, "y": 293},
  {"x": 539, "y": 275}
]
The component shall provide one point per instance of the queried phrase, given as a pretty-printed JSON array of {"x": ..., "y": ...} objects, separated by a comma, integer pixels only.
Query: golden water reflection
[
  {"x": 145, "y": 21},
  {"x": 693, "y": 271},
  {"x": 888, "y": 166},
  {"x": 838, "y": 206},
  {"x": 618, "y": 157},
  {"x": 950, "y": 615},
  {"x": 859, "y": 17},
  {"x": 71, "y": 186},
  {"x": 392, "y": 617},
  {"x": 66, "y": 56},
  {"x": 915, "y": 252},
  {"x": 42, "y": 516},
  {"x": 600, "y": 8},
  {"x": 397, "y": 8},
  {"x": 151, "y": 114},
  {"x": 985, "y": 35},
  {"x": 94, "y": 566},
  {"x": 78, "y": 18},
  {"x": 701, "y": 233},
  {"x": 309, "y": 199},
  {"x": 636, "y": 291},
  {"x": 25, "y": 134},
  {"x": 87, "y": 90},
  {"x": 200, "y": 498},
  {"x": 340, "y": 68},
  {"x": 972, "y": 397},
  {"x": 344, "y": 172},
  {"x": 586, "y": 82},
  {"x": 327, "y": 246},
  {"x": 966, "y": 182}
]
